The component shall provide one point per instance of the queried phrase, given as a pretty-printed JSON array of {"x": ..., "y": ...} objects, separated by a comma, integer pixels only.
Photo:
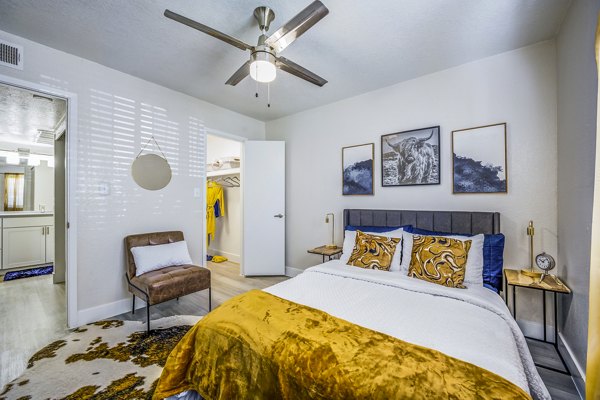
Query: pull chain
[
  {"x": 256, "y": 71},
  {"x": 268, "y": 95}
]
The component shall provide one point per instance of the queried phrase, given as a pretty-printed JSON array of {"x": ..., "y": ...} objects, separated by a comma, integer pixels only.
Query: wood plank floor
[
  {"x": 226, "y": 283},
  {"x": 32, "y": 314},
  {"x": 560, "y": 386}
]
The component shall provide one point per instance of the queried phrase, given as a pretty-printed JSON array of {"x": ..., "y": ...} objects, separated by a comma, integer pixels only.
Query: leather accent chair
[{"x": 167, "y": 283}]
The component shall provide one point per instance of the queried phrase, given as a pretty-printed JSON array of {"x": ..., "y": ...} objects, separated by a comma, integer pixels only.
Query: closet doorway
[
  {"x": 245, "y": 204},
  {"x": 223, "y": 200}
]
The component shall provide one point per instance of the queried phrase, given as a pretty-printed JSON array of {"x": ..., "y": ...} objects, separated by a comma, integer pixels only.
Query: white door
[
  {"x": 263, "y": 199},
  {"x": 49, "y": 244},
  {"x": 23, "y": 247}
]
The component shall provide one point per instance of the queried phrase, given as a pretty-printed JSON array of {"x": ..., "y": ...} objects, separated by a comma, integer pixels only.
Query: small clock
[{"x": 545, "y": 262}]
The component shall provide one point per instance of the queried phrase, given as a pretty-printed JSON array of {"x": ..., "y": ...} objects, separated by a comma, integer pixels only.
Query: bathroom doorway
[{"x": 33, "y": 223}]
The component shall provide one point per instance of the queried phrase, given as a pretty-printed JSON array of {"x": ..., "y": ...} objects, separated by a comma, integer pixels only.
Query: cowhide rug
[{"x": 103, "y": 360}]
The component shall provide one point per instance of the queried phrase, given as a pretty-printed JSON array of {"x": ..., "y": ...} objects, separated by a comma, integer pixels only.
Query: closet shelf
[{"x": 222, "y": 172}]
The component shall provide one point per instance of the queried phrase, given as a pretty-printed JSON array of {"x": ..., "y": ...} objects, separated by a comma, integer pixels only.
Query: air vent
[
  {"x": 44, "y": 137},
  {"x": 11, "y": 55}
]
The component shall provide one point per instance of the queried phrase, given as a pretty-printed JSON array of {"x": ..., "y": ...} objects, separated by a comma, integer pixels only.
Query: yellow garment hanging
[{"x": 214, "y": 193}]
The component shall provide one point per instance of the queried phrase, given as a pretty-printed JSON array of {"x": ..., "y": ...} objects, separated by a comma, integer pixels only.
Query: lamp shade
[{"x": 262, "y": 67}]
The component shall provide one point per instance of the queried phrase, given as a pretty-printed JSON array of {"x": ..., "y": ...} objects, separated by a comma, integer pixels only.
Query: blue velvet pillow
[
  {"x": 493, "y": 256},
  {"x": 378, "y": 229}
]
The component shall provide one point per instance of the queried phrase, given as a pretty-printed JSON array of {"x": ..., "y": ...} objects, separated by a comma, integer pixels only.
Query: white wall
[
  {"x": 577, "y": 111},
  {"x": 115, "y": 112},
  {"x": 228, "y": 238},
  {"x": 518, "y": 87},
  {"x": 43, "y": 187},
  {"x": 219, "y": 147}
]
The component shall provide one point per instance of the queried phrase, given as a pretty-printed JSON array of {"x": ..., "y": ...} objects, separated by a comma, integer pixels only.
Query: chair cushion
[{"x": 172, "y": 282}]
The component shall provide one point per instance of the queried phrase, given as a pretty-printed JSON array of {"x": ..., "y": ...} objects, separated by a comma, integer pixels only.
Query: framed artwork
[
  {"x": 479, "y": 160},
  {"x": 357, "y": 169},
  {"x": 411, "y": 157}
]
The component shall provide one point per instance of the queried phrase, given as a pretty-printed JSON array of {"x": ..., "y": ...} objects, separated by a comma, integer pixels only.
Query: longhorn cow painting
[
  {"x": 411, "y": 157},
  {"x": 479, "y": 160}
]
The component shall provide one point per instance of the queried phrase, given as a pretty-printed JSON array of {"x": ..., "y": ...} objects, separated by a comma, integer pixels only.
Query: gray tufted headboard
[{"x": 465, "y": 222}]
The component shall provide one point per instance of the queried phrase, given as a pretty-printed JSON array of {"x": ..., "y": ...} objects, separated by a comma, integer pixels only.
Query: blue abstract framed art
[
  {"x": 479, "y": 160},
  {"x": 357, "y": 169}
]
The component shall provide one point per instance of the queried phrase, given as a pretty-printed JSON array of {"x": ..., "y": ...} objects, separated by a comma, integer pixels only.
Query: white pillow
[
  {"x": 407, "y": 244},
  {"x": 350, "y": 239},
  {"x": 151, "y": 258},
  {"x": 474, "y": 269}
]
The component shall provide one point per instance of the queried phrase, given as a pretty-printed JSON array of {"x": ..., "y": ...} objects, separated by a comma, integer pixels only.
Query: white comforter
[{"x": 471, "y": 324}]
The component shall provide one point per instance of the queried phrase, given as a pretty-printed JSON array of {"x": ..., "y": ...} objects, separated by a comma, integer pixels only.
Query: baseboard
[
  {"x": 577, "y": 373},
  {"x": 292, "y": 272},
  {"x": 230, "y": 256},
  {"x": 104, "y": 311}
]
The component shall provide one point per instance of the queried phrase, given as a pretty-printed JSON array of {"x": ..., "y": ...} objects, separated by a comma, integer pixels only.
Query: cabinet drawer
[{"x": 19, "y": 222}]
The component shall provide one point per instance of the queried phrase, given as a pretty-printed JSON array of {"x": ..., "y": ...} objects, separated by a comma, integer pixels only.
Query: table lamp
[
  {"x": 332, "y": 245},
  {"x": 529, "y": 271}
]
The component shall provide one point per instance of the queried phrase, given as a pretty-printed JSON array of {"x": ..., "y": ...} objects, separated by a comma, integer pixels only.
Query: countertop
[{"x": 13, "y": 214}]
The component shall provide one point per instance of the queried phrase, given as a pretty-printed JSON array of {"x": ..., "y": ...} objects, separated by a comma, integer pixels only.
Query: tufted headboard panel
[{"x": 459, "y": 222}]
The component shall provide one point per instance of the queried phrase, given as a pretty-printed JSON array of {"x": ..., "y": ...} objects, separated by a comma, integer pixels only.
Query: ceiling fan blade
[
  {"x": 296, "y": 26},
  {"x": 208, "y": 30},
  {"x": 239, "y": 75},
  {"x": 292, "y": 68}
]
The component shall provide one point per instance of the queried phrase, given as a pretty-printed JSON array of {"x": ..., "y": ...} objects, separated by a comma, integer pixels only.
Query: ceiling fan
[{"x": 264, "y": 57}]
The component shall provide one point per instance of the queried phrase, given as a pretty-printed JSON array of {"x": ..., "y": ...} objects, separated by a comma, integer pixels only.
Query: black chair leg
[
  {"x": 209, "y": 299},
  {"x": 133, "y": 305},
  {"x": 148, "y": 316}
]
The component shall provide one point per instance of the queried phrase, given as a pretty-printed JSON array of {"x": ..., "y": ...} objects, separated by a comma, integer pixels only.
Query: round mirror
[{"x": 151, "y": 171}]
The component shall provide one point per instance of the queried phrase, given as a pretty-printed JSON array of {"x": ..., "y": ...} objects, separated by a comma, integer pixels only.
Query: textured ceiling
[
  {"x": 22, "y": 114},
  {"x": 360, "y": 46}
]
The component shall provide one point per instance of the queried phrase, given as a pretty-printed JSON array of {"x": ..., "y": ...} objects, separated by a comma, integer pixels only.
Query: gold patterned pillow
[
  {"x": 439, "y": 260},
  {"x": 372, "y": 251}
]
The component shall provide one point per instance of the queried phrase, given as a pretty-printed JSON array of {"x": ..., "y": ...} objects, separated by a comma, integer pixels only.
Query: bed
[{"x": 460, "y": 343}]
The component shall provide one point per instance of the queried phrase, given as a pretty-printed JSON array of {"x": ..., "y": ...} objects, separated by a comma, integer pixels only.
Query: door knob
[{"x": 278, "y": 216}]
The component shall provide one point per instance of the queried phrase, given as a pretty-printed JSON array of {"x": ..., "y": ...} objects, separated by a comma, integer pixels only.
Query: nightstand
[
  {"x": 514, "y": 278},
  {"x": 326, "y": 252}
]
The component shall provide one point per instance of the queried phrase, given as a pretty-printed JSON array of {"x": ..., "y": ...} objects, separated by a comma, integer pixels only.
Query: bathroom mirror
[{"x": 151, "y": 171}]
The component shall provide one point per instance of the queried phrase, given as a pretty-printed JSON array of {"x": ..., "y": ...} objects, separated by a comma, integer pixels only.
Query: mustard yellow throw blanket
[{"x": 259, "y": 346}]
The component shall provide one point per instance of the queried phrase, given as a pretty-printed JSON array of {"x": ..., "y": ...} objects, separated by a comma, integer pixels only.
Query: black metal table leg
[
  {"x": 514, "y": 302},
  {"x": 544, "y": 308},
  {"x": 556, "y": 323},
  {"x": 556, "y": 336}
]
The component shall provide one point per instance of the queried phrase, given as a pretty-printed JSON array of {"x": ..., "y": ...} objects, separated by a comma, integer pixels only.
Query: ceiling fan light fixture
[
  {"x": 265, "y": 60},
  {"x": 262, "y": 67}
]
